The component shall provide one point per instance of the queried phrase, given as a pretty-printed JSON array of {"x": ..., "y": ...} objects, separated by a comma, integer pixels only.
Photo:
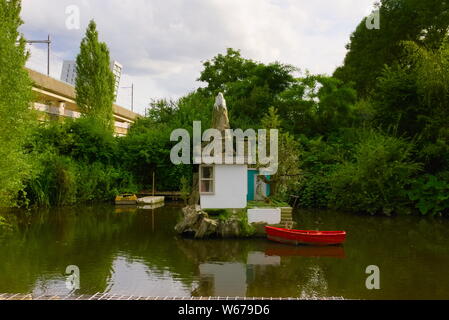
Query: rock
[
  {"x": 229, "y": 229},
  {"x": 192, "y": 214},
  {"x": 197, "y": 222},
  {"x": 207, "y": 228}
]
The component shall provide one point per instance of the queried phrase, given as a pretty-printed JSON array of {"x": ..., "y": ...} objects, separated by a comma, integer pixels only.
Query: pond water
[{"x": 136, "y": 252}]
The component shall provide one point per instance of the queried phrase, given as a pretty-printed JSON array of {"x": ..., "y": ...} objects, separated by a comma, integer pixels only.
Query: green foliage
[
  {"x": 376, "y": 180},
  {"x": 288, "y": 172},
  {"x": 82, "y": 139},
  {"x": 186, "y": 189},
  {"x": 15, "y": 99},
  {"x": 318, "y": 158},
  {"x": 64, "y": 181},
  {"x": 271, "y": 203},
  {"x": 430, "y": 195},
  {"x": 423, "y": 22},
  {"x": 413, "y": 97},
  {"x": 146, "y": 148},
  {"x": 250, "y": 87},
  {"x": 247, "y": 230},
  {"x": 317, "y": 105},
  {"x": 95, "y": 83},
  {"x": 77, "y": 162}
]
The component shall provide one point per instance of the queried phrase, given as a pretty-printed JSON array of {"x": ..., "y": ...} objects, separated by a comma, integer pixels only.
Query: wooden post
[{"x": 154, "y": 191}]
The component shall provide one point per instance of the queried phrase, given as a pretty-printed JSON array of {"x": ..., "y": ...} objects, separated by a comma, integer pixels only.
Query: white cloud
[{"x": 161, "y": 43}]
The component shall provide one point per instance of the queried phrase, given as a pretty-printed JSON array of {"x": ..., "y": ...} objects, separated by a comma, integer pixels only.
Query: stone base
[{"x": 196, "y": 222}]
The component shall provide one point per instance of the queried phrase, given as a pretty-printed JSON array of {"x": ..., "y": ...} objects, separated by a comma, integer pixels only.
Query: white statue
[
  {"x": 220, "y": 102},
  {"x": 220, "y": 119}
]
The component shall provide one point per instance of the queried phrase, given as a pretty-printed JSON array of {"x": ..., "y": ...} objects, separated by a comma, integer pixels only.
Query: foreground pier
[{"x": 107, "y": 296}]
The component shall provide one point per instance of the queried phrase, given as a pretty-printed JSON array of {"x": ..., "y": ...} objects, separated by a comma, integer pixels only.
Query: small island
[{"x": 231, "y": 200}]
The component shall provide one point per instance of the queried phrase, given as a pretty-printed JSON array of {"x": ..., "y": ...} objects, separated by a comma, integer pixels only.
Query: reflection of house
[
  {"x": 232, "y": 279},
  {"x": 57, "y": 100},
  {"x": 226, "y": 279}
]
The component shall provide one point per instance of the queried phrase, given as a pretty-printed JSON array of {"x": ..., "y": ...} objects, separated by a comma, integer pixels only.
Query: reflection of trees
[
  {"x": 44, "y": 242},
  {"x": 230, "y": 250},
  {"x": 89, "y": 237},
  {"x": 405, "y": 248}
]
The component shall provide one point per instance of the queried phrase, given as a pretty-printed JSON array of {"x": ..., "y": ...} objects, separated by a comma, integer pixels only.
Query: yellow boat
[{"x": 126, "y": 199}]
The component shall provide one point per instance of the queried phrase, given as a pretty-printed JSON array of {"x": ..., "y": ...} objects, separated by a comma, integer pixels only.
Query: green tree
[
  {"x": 316, "y": 105},
  {"x": 95, "y": 80},
  {"x": 15, "y": 100},
  {"x": 413, "y": 97},
  {"x": 375, "y": 181},
  {"x": 288, "y": 173},
  {"x": 423, "y": 22},
  {"x": 250, "y": 87}
]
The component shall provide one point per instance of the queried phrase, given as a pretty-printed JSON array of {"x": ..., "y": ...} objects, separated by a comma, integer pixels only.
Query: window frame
[{"x": 212, "y": 179}]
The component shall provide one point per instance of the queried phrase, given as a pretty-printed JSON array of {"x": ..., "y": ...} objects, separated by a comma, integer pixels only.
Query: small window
[{"x": 207, "y": 180}]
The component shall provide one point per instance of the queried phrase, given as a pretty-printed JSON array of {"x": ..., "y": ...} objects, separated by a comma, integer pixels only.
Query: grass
[{"x": 263, "y": 204}]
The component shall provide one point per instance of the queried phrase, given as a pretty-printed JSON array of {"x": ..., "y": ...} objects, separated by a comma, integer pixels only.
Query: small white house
[
  {"x": 223, "y": 186},
  {"x": 229, "y": 186}
]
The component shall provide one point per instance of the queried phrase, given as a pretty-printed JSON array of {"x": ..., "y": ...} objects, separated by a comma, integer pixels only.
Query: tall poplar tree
[
  {"x": 15, "y": 101},
  {"x": 95, "y": 81}
]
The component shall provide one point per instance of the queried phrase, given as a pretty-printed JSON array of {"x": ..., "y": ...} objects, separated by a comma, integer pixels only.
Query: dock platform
[{"x": 107, "y": 296}]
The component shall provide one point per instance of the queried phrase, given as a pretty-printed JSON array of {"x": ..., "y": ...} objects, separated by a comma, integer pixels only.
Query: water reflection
[
  {"x": 131, "y": 251},
  {"x": 233, "y": 279},
  {"x": 306, "y": 251}
]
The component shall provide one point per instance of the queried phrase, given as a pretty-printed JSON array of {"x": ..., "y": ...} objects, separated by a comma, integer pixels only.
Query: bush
[
  {"x": 376, "y": 180},
  {"x": 318, "y": 160},
  {"x": 430, "y": 194},
  {"x": 55, "y": 184},
  {"x": 64, "y": 181},
  {"x": 81, "y": 139}
]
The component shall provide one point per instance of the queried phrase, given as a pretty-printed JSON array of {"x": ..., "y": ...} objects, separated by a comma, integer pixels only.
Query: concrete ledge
[{"x": 265, "y": 215}]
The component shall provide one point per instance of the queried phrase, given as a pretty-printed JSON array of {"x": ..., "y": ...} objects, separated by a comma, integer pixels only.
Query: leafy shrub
[
  {"x": 247, "y": 229},
  {"x": 430, "y": 195},
  {"x": 318, "y": 160},
  {"x": 55, "y": 184},
  {"x": 314, "y": 191},
  {"x": 376, "y": 180},
  {"x": 64, "y": 181},
  {"x": 81, "y": 139}
]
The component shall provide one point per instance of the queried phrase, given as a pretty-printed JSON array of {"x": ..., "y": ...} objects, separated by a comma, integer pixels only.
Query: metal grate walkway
[{"x": 107, "y": 296}]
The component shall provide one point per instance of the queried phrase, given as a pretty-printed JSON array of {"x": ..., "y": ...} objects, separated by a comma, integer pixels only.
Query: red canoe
[{"x": 315, "y": 238}]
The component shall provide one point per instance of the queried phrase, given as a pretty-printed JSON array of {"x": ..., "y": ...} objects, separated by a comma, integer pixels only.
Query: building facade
[
  {"x": 68, "y": 73},
  {"x": 56, "y": 99},
  {"x": 116, "y": 69}
]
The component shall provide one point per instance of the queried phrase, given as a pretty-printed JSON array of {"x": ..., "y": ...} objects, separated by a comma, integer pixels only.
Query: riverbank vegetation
[{"x": 371, "y": 138}]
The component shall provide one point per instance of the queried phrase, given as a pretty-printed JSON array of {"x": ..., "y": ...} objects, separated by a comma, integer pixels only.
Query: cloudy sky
[{"x": 162, "y": 43}]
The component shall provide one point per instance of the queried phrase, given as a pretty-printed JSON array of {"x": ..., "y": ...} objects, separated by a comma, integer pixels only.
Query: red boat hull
[{"x": 298, "y": 237}]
